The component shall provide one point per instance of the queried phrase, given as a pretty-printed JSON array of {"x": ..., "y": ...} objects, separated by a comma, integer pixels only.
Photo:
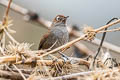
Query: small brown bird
[{"x": 58, "y": 34}]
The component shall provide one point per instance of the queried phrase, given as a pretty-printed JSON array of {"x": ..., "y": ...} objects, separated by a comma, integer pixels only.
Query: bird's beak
[{"x": 67, "y": 17}]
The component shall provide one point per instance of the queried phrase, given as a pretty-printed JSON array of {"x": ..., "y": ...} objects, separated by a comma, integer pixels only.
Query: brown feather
[{"x": 42, "y": 41}]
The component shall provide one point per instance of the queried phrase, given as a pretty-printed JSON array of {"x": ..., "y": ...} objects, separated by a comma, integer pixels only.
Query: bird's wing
[{"x": 43, "y": 40}]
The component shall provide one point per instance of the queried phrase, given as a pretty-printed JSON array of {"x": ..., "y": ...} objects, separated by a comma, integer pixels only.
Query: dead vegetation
[{"x": 19, "y": 62}]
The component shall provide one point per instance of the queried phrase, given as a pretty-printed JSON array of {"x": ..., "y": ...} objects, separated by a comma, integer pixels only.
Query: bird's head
[{"x": 59, "y": 20}]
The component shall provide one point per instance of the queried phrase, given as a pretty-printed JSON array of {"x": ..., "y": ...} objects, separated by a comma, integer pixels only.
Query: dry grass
[{"x": 18, "y": 61}]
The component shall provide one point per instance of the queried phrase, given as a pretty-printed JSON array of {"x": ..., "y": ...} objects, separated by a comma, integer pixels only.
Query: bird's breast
[{"x": 61, "y": 34}]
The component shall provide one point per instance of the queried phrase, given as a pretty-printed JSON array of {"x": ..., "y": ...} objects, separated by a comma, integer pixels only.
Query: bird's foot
[{"x": 64, "y": 57}]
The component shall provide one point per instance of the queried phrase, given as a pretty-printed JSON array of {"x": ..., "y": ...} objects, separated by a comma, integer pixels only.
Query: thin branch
[
  {"x": 82, "y": 73},
  {"x": 76, "y": 75},
  {"x": 6, "y": 13},
  {"x": 112, "y": 30},
  {"x": 2, "y": 51},
  {"x": 13, "y": 40},
  {"x": 11, "y": 75},
  {"x": 97, "y": 41},
  {"x": 6, "y": 59},
  {"x": 59, "y": 61},
  {"x": 103, "y": 37},
  {"x": 19, "y": 72},
  {"x": 29, "y": 61},
  {"x": 106, "y": 26}
]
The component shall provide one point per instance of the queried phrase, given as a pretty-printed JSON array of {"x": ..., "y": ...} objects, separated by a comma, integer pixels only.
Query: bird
[{"x": 57, "y": 36}]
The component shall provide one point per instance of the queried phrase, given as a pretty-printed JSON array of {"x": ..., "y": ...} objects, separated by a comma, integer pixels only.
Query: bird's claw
[{"x": 64, "y": 57}]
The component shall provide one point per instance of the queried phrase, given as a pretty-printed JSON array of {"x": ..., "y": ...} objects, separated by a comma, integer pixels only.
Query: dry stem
[
  {"x": 76, "y": 75},
  {"x": 97, "y": 42},
  {"x": 6, "y": 13},
  {"x": 11, "y": 75},
  {"x": 106, "y": 26},
  {"x": 19, "y": 72},
  {"x": 6, "y": 59}
]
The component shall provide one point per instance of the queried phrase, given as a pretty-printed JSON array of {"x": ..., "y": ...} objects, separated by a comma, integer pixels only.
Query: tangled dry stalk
[{"x": 19, "y": 62}]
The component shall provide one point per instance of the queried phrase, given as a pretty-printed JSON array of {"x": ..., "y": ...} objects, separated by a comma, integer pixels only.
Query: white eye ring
[{"x": 58, "y": 18}]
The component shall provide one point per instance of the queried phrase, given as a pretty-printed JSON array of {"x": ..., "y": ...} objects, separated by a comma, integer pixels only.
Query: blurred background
[{"x": 94, "y": 13}]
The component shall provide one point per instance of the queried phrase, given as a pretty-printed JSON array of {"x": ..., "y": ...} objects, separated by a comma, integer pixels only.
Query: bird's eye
[{"x": 58, "y": 18}]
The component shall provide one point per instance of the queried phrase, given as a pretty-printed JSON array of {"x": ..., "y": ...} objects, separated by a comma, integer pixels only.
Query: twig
[
  {"x": 112, "y": 30},
  {"x": 19, "y": 72},
  {"x": 2, "y": 41},
  {"x": 83, "y": 49},
  {"x": 2, "y": 51},
  {"x": 97, "y": 41},
  {"x": 26, "y": 71},
  {"x": 6, "y": 13},
  {"x": 5, "y": 18},
  {"x": 75, "y": 75},
  {"x": 6, "y": 59},
  {"x": 13, "y": 40},
  {"x": 103, "y": 37},
  {"x": 11, "y": 75},
  {"x": 106, "y": 26},
  {"x": 80, "y": 61},
  {"x": 59, "y": 61}
]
